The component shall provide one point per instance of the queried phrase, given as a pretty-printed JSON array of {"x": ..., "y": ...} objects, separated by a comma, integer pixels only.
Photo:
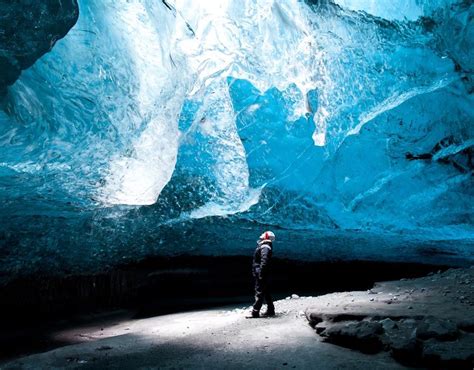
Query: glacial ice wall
[{"x": 316, "y": 115}]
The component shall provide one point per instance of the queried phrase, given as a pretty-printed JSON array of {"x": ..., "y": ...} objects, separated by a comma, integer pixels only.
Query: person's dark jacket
[{"x": 261, "y": 260}]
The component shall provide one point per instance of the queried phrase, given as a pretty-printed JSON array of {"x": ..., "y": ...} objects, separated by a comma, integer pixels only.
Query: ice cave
[{"x": 136, "y": 130}]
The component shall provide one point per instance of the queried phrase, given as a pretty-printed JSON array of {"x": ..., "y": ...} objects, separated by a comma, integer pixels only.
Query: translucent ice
[{"x": 316, "y": 115}]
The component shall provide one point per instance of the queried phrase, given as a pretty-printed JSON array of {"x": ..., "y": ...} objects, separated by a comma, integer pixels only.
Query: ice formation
[{"x": 316, "y": 115}]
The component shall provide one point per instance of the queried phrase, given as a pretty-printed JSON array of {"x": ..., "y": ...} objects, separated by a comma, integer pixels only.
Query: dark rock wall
[
  {"x": 29, "y": 29},
  {"x": 158, "y": 285}
]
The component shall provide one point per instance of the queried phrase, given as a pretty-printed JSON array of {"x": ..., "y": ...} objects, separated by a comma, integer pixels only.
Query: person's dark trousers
[{"x": 262, "y": 293}]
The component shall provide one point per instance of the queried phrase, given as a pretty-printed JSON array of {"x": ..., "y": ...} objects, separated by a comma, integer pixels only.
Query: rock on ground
[{"x": 427, "y": 321}]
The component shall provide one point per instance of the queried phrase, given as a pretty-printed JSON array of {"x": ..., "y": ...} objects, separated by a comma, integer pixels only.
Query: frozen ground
[
  {"x": 439, "y": 306},
  {"x": 204, "y": 340}
]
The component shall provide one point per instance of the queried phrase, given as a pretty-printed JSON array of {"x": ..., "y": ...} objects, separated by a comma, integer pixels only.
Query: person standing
[{"x": 261, "y": 270}]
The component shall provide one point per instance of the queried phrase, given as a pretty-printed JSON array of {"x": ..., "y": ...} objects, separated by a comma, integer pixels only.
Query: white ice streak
[
  {"x": 395, "y": 9},
  {"x": 396, "y": 100},
  {"x": 147, "y": 32}
]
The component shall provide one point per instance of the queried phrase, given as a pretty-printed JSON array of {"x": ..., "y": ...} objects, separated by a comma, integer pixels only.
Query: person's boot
[
  {"x": 269, "y": 313},
  {"x": 255, "y": 314}
]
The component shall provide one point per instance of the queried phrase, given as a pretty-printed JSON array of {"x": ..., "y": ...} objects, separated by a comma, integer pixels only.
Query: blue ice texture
[{"x": 188, "y": 126}]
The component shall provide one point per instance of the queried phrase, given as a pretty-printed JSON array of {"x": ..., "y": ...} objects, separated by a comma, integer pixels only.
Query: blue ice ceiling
[{"x": 316, "y": 115}]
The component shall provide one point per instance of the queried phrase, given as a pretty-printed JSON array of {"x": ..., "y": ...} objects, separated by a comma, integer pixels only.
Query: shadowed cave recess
[{"x": 165, "y": 128}]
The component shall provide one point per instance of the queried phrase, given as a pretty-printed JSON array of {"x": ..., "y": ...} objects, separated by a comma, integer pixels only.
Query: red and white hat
[{"x": 268, "y": 235}]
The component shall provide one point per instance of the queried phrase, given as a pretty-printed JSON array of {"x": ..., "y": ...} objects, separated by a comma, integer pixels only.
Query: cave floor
[
  {"x": 206, "y": 339},
  {"x": 425, "y": 322}
]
